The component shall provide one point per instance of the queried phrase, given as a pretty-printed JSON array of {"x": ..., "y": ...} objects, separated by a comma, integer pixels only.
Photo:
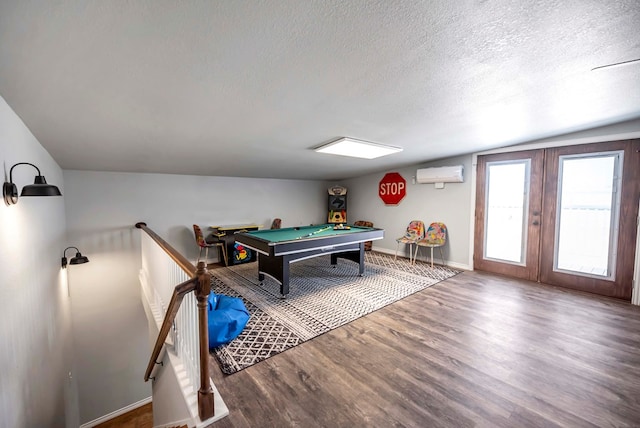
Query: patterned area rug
[{"x": 321, "y": 298}]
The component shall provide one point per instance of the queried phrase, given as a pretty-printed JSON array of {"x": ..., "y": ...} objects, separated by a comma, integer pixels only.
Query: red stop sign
[{"x": 392, "y": 188}]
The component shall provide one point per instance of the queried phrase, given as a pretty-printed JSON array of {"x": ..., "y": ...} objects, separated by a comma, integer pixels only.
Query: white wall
[
  {"x": 110, "y": 329},
  {"x": 35, "y": 332},
  {"x": 450, "y": 205}
]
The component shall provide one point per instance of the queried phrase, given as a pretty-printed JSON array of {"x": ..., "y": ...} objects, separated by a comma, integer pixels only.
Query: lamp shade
[
  {"x": 40, "y": 188},
  {"x": 78, "y": 259}
]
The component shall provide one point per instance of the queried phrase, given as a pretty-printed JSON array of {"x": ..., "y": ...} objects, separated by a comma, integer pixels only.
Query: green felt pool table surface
[
  {"x": 303, "y": 232},
  {"x": 277, "y": 248}
]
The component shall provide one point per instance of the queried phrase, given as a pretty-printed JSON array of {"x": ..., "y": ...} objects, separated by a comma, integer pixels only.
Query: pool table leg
[
  {"x": 284, "y": 282},
  {"x": 277, "y": 268},
  {"x": 356, "y": 256}
]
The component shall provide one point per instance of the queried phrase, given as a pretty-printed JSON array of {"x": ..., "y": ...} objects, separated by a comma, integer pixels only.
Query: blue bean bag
[{"x": 227, "y": 318}]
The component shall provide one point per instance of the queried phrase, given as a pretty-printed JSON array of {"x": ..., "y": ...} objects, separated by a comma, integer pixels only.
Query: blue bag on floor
[{"x": 227, "y": 318}]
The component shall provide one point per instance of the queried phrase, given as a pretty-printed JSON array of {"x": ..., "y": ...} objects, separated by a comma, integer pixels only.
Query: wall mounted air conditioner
[{"x": 441, "y": 174}]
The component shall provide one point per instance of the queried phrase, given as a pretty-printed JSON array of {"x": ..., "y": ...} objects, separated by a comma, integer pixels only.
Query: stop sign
[{"x": 392, "y": 188}]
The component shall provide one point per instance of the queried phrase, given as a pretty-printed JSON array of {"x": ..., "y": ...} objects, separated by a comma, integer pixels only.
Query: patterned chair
[
  {"x": 436, "y": 237},
  {"x": 414, "y": 233},
  {"x": 212, "y": 241},
  {"x": 367, "y": 244}
]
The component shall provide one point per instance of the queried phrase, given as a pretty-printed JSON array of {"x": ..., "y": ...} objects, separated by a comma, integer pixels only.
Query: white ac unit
[{"x": 441, "y": 174}]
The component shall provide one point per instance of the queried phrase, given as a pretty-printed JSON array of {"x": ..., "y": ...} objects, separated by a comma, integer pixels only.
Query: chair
[
  {"x": 414, "y": 233},
  {"x": 214, "y": 240},
  {"x": 436, "y": 236},
  {"x": 276, "y": 223},
  {"x": 367, "y": 244}
]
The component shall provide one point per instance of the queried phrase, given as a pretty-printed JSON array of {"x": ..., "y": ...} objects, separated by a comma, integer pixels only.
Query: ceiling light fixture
[
  {"x": 38, "y": 188},
  {"x": 357, "y": 149}
]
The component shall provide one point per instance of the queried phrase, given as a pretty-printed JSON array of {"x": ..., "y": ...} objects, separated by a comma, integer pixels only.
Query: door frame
[
  {"x": 528, "y": 270},
  {"x": 635, "y": 297},
  {"x": 627, "y": 217}
]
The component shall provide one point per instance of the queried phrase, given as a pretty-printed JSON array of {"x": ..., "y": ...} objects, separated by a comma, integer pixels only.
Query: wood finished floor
[
  {"x": 142, "y": 417},
  {"x": 476, "y": 350}
]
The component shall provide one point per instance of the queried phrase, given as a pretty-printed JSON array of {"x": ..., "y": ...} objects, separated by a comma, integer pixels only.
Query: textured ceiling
[{"x": 248, "y": 88}]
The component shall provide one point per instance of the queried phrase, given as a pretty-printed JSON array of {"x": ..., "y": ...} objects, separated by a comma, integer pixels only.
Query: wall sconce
[
  {"x": 77, "y": 260},
  {"x": 38, "y": 188}
]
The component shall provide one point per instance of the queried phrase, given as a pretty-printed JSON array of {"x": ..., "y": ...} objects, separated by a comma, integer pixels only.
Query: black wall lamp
[
  {"x": 38, "y": 188},
  {"x": 77, "y": 260}
]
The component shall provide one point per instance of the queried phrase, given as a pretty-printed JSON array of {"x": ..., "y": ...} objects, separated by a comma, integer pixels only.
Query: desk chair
[{"x": 215, "y": 240}]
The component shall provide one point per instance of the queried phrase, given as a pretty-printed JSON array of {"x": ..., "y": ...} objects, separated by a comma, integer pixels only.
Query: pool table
[{"x": 277, "y": 248}]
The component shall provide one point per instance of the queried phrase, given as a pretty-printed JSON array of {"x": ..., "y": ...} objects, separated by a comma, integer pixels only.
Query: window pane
[
  {"x": 506, "y": 208},
  {"x": 585, "y": 209}
]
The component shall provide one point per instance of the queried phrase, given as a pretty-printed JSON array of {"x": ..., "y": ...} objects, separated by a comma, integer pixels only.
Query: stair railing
[{"x": 199, "y": 282}]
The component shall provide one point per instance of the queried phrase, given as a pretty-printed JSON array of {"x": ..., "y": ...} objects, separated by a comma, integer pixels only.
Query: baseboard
[
  {"x": 386, "y": 251},
  {"x": 454, "y": 265},
  {"x": 117, "y": 413}
]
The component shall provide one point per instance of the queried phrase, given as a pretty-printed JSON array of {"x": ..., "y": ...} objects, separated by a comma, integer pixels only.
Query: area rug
[{"x": 321, "y": 298}]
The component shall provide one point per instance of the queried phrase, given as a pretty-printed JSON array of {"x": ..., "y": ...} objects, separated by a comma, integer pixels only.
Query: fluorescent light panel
[{"x": 357, "y": 149}]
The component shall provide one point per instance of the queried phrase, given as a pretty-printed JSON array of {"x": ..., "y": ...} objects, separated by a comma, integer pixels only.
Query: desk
[
  {"x": 235, "y": 228},
  {"x": 277, "y": 248},
  {"x": 235, "y": 254}
]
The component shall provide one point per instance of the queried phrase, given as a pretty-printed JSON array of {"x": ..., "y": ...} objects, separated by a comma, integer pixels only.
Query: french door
[{"x": 565, "y": 216}]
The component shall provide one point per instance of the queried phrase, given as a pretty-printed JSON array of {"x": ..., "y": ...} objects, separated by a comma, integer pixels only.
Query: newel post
[{"x": 205, "y": 393}]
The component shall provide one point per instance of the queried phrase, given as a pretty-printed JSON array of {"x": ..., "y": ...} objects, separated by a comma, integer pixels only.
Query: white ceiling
[{"x": 248, "y": 88}]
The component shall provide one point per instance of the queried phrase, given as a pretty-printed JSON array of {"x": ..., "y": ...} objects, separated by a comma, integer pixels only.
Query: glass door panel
[
  {"x": 587, "y": 215},
  {"x": 506, "y": 211}
]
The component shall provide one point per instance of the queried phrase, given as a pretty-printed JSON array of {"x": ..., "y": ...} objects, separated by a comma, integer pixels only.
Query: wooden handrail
[
  {"x": 200, "y": 283},
  {"x": 181, "y": 260},
  {"x": 176, "y": 299}
]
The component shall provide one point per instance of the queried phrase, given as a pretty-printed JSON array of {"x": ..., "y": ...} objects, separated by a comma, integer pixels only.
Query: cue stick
[
  {"x": 320, "y": 230},
  {"x": 317, "y": 231}
]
